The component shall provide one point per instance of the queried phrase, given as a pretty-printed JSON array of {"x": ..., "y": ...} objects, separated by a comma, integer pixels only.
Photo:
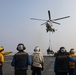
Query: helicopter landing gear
[{"x": 46, "y": 30}]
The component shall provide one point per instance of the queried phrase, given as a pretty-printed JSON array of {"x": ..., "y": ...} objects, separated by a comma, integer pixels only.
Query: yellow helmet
[
  {"x": 1, "y": 48},
  {"x": 72, "y": 50}
]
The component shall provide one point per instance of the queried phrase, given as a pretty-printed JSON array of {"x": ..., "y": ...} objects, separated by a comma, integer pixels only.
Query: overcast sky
[{"x": 17, "y": 27}]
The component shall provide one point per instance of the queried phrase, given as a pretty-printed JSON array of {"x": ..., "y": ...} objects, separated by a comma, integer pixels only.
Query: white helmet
[
  {"x": 37, "y": 49},
  {"x": 62, "y": 50},
  {"x": 21, "y": 47}
]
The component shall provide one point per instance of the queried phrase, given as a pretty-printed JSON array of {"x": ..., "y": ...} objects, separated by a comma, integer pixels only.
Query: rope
[{"x": 50, "y": 44}]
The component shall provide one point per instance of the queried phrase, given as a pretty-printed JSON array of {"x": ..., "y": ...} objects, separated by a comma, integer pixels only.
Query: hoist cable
[{"x": 50, "y": 45}]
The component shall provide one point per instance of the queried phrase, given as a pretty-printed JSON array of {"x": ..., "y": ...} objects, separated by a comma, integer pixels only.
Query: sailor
[
  {"x": 37, "y": 61},
  {"x": 2, "y": 54},
  {"x": 61, "y": 64},
  {"x": 72, "y": 64},
  {"x": 1, "y": 60},
  {"x": 21, "y": 60}
]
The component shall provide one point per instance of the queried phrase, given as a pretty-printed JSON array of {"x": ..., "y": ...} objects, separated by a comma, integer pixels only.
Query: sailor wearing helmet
[
  {"x": 61, "y": 64},
  {"x": 72, "y": 64},
  {"x": 2, "y": 53},
  {"x": 1, "y": 60},
  {"x": 21, "y": 60},
  {"x": 37, "y": 61}
]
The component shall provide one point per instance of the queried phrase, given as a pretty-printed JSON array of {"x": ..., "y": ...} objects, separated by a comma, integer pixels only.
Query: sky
[{"x": 17, "y": 27}]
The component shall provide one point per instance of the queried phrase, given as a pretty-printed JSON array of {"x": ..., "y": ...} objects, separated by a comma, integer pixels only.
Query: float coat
[
  {"x": 62, "y": 61},
  {"x": 72, "y": 64},
  {"x": 21, "y": 61}
]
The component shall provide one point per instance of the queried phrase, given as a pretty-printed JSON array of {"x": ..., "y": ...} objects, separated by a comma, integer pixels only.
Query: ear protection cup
[{"x": 22, "y": 45}]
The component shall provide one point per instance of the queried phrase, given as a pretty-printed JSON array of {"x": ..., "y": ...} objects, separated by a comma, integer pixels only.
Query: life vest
[
  {"x": 62, "y": 63},
  {"x": 37, "y": 59},
  {"x": 72, "y": 64},
  {"x": 21, "y": 61},
  {"x": 1, "y": 59}
]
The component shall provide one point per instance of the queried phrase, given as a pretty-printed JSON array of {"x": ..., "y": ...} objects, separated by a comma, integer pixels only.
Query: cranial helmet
[
  {"x": 72, "y": 50},
  {"x": 37, "y": 49},
  {"x": 62, "y": 50},
  {"x": 1, "y": 48},
  {"x": 21, "y": 47}
]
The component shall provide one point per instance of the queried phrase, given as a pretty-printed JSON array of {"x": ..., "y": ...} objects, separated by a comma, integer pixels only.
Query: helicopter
[
  {"x": 48, "y": 23},
  {"x": 49, "y": 28}
]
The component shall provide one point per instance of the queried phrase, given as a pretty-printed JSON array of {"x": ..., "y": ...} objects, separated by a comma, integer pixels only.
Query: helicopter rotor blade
[
  {"x": 43, "y": 23},
  {"x": 53, "y": 22},
  {"x": 56, "y": 22},
  {"x": 49, "y": 15},
  {"x": 38, "y": 19},
  {"x": 61, "y": 18}
]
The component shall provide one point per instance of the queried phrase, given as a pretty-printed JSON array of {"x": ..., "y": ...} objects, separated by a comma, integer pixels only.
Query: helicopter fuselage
[{"x": 49, "y": 27}]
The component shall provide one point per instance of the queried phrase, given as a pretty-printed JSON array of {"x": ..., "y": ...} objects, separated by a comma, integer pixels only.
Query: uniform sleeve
[
  {"x": 13, "y": 61},
  {"x": 29, "y": 60},
  {"x": 2, "y": 58},
  {"x": 72, "y": 59},
  {"x": 55, "y": 65},
  {"x": 6, "y": 53}
]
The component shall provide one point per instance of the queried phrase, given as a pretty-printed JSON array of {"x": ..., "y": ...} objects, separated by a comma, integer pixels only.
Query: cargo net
[{"x": 49, "y": 50}]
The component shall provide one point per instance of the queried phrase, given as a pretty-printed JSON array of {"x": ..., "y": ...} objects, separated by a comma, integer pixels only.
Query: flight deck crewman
[
  {"x": 72, "y": 64},
  {"x": 1, "y": 60},
  {"x": 21, "y": 60},
  {"x": 37, "y": 61},
  {"x": 61, "y": 64}
]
